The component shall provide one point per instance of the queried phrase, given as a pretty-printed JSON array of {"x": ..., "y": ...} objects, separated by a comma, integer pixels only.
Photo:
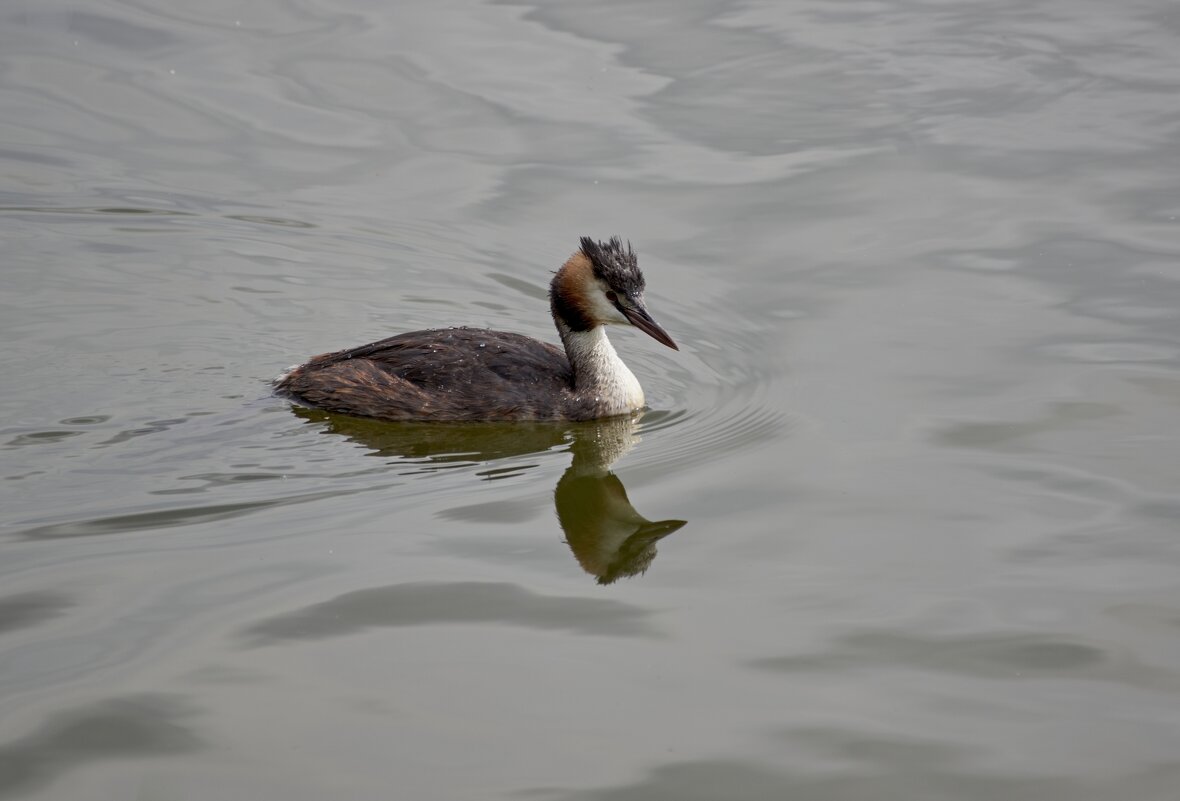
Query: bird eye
[{"x": 612, "y": 297}]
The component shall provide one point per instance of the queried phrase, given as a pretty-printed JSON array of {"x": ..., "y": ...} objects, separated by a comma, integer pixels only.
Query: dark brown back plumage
[{"x": 445, "y": 374}]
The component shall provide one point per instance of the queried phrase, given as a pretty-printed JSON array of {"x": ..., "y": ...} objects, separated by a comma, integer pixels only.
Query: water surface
[{"x": 900, "y": 523}]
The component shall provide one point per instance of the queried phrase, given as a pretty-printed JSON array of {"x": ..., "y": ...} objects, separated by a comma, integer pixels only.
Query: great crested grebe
[{"x": 468, "y": 374}]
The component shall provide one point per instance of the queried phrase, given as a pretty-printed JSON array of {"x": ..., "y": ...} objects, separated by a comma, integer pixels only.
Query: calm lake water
[{"x": 902, "y": 523}]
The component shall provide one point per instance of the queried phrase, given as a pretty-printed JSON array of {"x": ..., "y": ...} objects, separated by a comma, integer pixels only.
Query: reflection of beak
[
  {"x": 639, "y": 318},
  {"x": 652, "y": 531}
]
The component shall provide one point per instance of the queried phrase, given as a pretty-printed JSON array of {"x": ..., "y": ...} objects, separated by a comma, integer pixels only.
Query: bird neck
[{"x": 599, "y": 371}]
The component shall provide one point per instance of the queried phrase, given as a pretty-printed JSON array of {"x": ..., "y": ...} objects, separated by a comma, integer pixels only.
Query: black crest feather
[{"x": 616, "y": 265}]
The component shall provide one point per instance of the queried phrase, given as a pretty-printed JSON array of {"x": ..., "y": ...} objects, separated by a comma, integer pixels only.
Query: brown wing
[{"x": 444, "y": 374}]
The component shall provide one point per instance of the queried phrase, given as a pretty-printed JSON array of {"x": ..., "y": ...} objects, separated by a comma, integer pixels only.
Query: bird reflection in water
[{"x": 609, "y": 538}]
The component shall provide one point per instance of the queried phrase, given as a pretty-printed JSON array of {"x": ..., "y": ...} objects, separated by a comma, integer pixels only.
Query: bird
[{"x": 466, "y": 374}]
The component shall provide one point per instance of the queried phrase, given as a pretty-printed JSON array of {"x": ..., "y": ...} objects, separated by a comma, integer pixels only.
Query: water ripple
[
  {"x": 122, "y": 728},
  {"x": 430, "y": 603},
  {"x": 163, "y": 518},
  {"x": 31, "y": 608}
]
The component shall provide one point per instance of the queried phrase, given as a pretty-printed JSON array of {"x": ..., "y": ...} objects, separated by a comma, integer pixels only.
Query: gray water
[{"x": 901, "y": 523}]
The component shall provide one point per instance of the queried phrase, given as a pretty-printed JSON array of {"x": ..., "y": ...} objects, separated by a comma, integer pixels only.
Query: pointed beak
[{"x": 639, "y": 318}]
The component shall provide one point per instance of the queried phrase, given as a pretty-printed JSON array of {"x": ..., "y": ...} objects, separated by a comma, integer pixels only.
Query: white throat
[{"x": 599, "y": 371}]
